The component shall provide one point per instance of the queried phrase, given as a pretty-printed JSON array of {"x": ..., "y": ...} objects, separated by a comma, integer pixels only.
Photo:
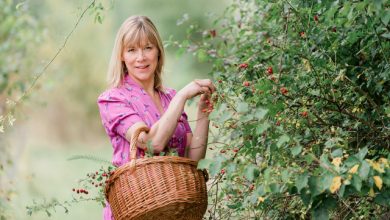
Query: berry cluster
[
  {"x": 97, "y": 179},
  {"x": 209, "y": 108}
]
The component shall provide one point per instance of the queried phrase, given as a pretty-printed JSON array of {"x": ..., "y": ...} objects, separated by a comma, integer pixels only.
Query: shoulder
[{"x": 113, "y": 94}]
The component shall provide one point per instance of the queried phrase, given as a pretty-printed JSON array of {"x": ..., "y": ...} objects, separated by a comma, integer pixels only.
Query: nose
[{"x": 140, "y": 55}]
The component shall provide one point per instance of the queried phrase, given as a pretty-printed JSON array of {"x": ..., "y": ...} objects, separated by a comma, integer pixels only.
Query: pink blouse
[{"x": 122, "y": 107}]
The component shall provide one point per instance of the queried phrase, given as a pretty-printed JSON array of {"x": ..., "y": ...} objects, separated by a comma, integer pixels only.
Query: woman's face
[{"x": 141, "y": 61}]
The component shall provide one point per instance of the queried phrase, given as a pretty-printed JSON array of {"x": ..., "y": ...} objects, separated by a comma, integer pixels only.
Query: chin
[{"x": 143, "y": 76}]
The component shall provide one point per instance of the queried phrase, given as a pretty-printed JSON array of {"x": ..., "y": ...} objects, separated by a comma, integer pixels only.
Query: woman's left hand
[{"x": 205, "y": 105}]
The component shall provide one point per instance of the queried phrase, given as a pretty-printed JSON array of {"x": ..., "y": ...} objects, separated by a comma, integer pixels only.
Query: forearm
[
  {"x": 163, "y": 129},
  {"x": 198, "y": 145}
]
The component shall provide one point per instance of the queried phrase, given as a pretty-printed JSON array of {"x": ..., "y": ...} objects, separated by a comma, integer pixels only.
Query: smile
[{"x": 142, "y": 67}]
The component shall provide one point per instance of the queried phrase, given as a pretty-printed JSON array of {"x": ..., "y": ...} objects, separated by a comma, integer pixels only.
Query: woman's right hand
[{"x": 197, "y": 87}]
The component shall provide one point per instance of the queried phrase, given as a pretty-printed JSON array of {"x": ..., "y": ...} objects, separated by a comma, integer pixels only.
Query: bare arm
[
  {"x": 163, "y": 129},
  {"x": 198, "y": 141}
]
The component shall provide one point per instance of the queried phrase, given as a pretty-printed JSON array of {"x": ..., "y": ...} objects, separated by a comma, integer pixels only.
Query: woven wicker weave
[{"x": 161, "y": 187}]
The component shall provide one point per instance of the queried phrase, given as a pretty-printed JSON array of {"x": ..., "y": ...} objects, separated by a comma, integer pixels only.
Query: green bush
[{"x": 303, "y": 109}]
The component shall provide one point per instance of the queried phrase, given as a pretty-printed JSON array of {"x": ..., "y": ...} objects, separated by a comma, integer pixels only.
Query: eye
[
  {"x": 148, "y": 47},
  {"x": 130, "y": 50}
]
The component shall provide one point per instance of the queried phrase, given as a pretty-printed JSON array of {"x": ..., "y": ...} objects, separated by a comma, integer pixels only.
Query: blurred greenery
[{"x": 61, "y": 117}]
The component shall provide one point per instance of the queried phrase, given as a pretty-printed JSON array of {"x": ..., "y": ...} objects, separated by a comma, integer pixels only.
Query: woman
[{"x": 137, "y": 98}]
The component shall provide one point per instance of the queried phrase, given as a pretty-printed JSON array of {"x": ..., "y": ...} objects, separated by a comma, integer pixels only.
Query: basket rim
[{"x": 140, "y": 162}]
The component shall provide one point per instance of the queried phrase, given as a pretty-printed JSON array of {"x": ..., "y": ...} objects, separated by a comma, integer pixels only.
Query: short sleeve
[{"x": 117, "y": 113}]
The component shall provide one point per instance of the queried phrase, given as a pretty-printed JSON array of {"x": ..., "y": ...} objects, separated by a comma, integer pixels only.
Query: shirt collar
[{"x": 130, "y": 81}]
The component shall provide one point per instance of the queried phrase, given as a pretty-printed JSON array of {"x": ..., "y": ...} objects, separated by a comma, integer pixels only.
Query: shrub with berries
[{"x": 306, "y": 113}]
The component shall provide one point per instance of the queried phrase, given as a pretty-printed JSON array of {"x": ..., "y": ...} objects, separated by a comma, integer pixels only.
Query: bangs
[{"x": 139, "y": 37}]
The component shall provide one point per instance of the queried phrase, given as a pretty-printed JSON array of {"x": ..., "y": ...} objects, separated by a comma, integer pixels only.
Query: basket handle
[{"x": 133, "y": 145}]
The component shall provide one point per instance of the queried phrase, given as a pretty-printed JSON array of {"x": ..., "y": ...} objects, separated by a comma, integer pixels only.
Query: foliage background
[
  {"x": 60, "y": 117},
  {"x": 300, "y": 128}
]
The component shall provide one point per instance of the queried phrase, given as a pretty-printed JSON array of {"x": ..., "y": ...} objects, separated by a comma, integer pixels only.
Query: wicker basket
[{"x": 161, "y": 187}]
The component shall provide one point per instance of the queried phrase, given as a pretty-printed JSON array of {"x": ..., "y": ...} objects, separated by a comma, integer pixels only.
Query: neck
[{"x": 148, "y": 86}]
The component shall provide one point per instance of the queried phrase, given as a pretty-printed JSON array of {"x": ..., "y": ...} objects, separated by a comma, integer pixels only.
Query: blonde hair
[{"x": 136, "y": 30}]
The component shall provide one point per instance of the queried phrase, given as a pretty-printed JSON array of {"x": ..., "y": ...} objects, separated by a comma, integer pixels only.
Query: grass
[{"x": 46, "y": 174}]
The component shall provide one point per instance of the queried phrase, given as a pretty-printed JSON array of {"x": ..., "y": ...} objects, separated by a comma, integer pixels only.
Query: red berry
[
  {"x": 246, "y": 83},
  {"x": 213, "y": 33},
  {"x": 223, "y": 171},
  {"x": 243, "y": 66},
  {"x": 220, "y": 81},
  {"x": 304, "y": 114},
  {"x": 251, "y": 187},
  {"x": 283, "y": 90},
  {"x": 302, "y": 33},
  {"x": 97, "y": 172},
  {"x": 277, "y": 123},
  {"x": 270, "y": 71},
  {"x": 236, "y": 150},
  {"x": 316, "y": 18}
]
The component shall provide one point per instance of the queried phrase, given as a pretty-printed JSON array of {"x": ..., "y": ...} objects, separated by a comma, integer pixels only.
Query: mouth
[{"x": 142, "y": 67}]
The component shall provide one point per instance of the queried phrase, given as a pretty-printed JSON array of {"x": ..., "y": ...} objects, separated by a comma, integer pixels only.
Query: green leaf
[
  {"x": 351, "y": 161},
  {"x": 285, "y": 175},
  {"x": 314, "y": 186},
  {"x": 362, "y": 153},
  {"x": 262, "y": 127},
  {"x": 337, "y": 153},
  {"x": 275, "y": 188},
  {"x": 320, "y": 213},
  {"x": 315, "y": 92},
  {"x": 357, "y": 182},
  {"x": 302, "y": 181},
  {"x": 383, "y": 198},
  {"x": 260, "y": 191},
  {"x": 260, "y": 113},
  {"x": 282, "y": 140},
  {"x": 306, "y": 197},
  {"x": 386, "y": 35},
  {"x": 250, "y": 171},
  {"x": 235, "y": 205},
  {"x": 309, "y": 158},
  {"x": 364, "y": 170},
  {"x": 296, "y": 150},
  {"x": 321, "y": 210},
  {"x": 385, "y": 17},
  {"x": 242, "y": 107},
  {"x": 341, "y": 190}
]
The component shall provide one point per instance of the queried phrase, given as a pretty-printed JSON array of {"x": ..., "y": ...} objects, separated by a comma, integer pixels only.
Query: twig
[{"x": 39, "y": 75}]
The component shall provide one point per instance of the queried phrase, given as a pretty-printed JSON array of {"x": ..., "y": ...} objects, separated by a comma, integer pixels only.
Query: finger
[
  {"x": 204, "y": 90},
  {"x": 210, "y": 84}
]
